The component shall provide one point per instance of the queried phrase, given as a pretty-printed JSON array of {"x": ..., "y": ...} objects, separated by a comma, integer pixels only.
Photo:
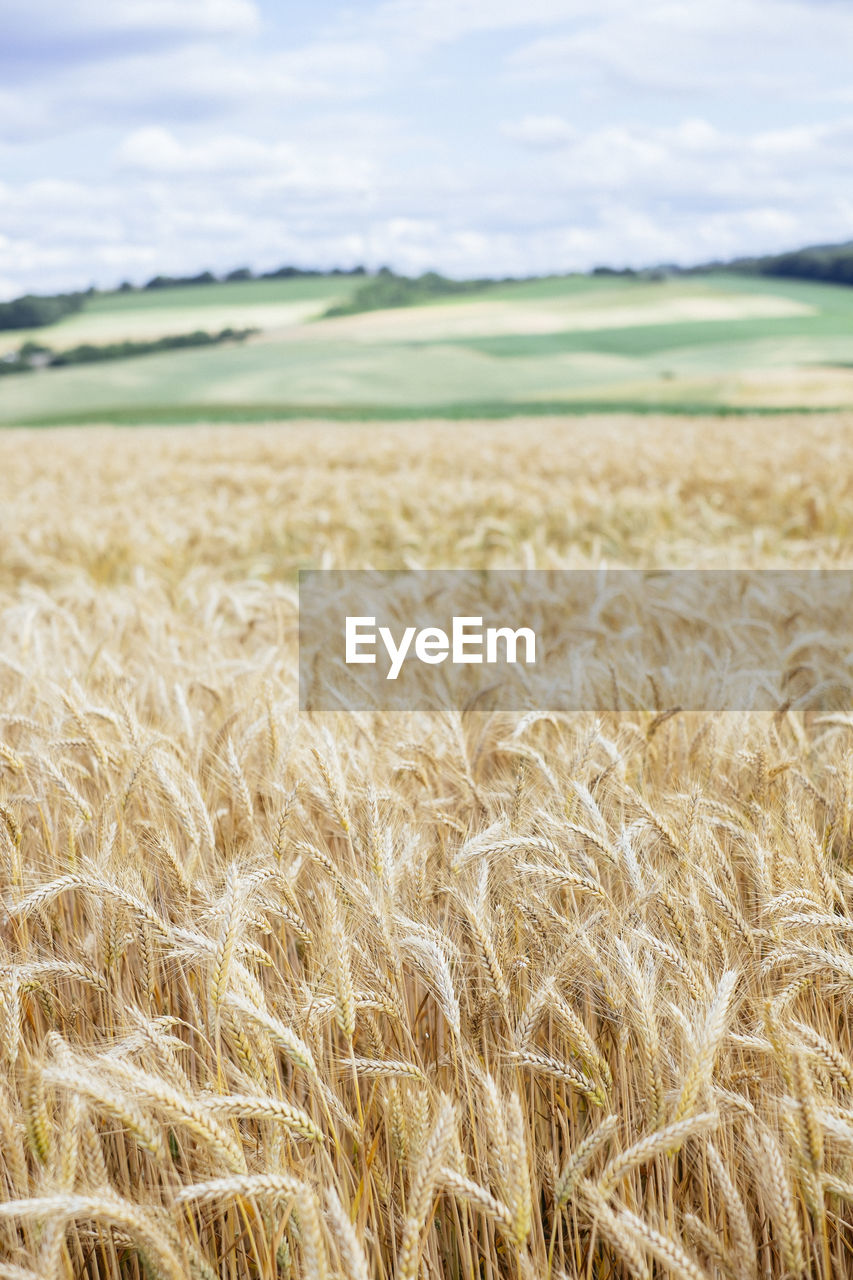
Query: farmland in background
[{"x": 712, "y": 343}]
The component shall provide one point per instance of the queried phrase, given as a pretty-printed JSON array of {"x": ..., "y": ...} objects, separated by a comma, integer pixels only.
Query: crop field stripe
[{"x": 200, "y": 414}]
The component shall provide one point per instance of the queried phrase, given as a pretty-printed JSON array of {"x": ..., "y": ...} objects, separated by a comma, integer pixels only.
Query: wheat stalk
[{"x": 471, "y": 973}]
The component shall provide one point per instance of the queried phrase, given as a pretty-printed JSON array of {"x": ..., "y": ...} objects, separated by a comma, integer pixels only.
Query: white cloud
[
  {"x": 434, "y": 22},
  {"x": 265, "y": 170},
  {"x": 724, "y": 46},
  {"x": 193, "y": 16},
  {"x": 692, "y": 159},
  {"x": 194, "y": 83},
  {"x": 35, "y": 24},
  {"x": 625, "y": 195},
  {"x": 171, "y": 135},
  {"x": 157, "y": 150},
  {"x": 541, "y": 132}
]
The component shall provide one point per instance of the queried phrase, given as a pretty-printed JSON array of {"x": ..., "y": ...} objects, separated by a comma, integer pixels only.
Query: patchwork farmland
[{"x": 691, "y": 343}]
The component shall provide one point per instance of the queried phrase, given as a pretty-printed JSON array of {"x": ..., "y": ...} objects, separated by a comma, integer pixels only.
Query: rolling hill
[{"x": 708, "y": 343}]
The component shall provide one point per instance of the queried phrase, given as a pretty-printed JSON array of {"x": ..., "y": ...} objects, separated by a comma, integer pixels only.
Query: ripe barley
[
  {"x": 424, "y": 1181},
  {"x": 250, "y": 1107},
  {"x": 345, "y": 1007},
  {"x": 699, "y": 1073},
  {"x": 104, "y": 1207},
  {"x": 471, "y": 974},
  {"x": 666, "y": 1250},
  {"x": 580, "y": 1160},
  {"x": 273, "y": 1186},
  {"x": 666, "y": 1141},
  {"x": 559, "y": 1070},
  {"x": 349, "y": 1245},
  {"x": 740, "y": 1229},
  {"x": 470, "y": 1191}
]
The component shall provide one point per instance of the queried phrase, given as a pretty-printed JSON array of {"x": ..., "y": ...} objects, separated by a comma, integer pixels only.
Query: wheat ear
[{"x": 423, "y": 1185}]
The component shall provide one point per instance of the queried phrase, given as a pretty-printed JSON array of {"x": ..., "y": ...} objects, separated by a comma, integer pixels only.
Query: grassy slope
[
  {"x": 241, "y": 292},
  {"x": 358, "y": 368},
  {"x": 262, "y": 304}
]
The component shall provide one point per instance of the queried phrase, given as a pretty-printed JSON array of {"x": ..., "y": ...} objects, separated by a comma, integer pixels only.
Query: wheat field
[{"x": 408, "y": 996}]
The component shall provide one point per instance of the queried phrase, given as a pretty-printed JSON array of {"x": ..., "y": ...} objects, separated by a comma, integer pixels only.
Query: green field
[
  {"x": 711, "y": 343},
  {"x": 313, "y": 289},
  {"x": 146, "y": 314}
]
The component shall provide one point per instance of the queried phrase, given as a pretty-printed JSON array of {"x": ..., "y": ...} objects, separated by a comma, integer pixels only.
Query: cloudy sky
[{"x": 474, "y": 136}]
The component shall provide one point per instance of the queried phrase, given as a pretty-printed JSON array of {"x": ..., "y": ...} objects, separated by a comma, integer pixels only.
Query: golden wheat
[{"x": 467, "y": 995}]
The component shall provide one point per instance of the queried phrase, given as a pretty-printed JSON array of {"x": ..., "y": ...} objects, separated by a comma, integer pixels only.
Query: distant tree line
[
  {"x": 34, "y": 355},
  {"x": 242, "y": 273},
  {"x": 300, "y": 273},
  {"x": 636, "y": 273},
  {"x": 387, "y": 289},
  {"x": 33, "y": 312},
  {"x": 832, "y": 263}
]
